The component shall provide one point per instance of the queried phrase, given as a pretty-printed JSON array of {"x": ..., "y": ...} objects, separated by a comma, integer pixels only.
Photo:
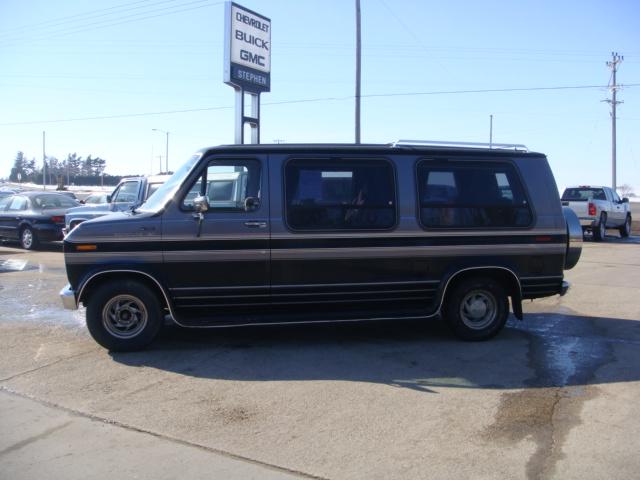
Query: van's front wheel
[
  {"x": 477, "y": 308},
  {"x": 123, "y": 316}
]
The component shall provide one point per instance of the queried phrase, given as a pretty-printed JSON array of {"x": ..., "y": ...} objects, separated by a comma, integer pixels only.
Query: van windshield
[{"x": 158, "y": 199}]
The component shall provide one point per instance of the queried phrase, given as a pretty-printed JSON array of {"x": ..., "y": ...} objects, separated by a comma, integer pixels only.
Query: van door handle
[{"x": 255, "y": 224}]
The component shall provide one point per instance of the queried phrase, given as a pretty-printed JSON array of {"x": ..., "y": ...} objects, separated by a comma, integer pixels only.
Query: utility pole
[
  {"x": 358, "y": 63},
  {"x": 166, "y": 152},
  {"x": 613, "y": 65},
  {"x": 44, "y": 162}
]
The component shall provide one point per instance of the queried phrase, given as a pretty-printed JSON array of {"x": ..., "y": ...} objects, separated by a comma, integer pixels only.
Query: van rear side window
[
  {"x": 340, "y": 195},
  {"x": 471, "y": 196}
]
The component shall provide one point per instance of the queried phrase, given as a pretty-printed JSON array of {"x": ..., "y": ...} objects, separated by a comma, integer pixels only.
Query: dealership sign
[{"x": 247, "y": 63}]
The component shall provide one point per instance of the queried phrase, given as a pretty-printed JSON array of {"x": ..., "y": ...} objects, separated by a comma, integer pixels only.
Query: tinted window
[
  {"x": 471, "y": 196},
  {"x": 583, "y": 194},
  {"x": 226, "y": 184},
  {"x": 340, "y": 195}
]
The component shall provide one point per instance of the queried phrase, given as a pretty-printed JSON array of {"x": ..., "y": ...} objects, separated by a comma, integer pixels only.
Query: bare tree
[{"x": 626, "y": 190}]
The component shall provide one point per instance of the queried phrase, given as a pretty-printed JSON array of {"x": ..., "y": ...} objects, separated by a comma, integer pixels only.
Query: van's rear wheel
[
  {"x": 477, "y": 308},
  {"x": 124, "y": 316}
]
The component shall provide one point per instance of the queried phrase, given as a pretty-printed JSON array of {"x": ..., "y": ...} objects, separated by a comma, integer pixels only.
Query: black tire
[
  {"x": 600, "y": 230},
  {"x": 124, "y": 315},
  {"x": 28, "y": 239},
  {"x": 476, "y": 309},
  {"x": 625, "y": 230}
]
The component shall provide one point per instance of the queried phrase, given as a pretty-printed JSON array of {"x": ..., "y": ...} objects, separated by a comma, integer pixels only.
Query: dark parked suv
[{"x": 266, "y": 234}]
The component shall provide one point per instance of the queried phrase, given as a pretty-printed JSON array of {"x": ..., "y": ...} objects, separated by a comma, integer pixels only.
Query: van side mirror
[
  {"x": 251, "y": 203},
  {"x": 108, "y": 198},
  {"x": 201, "y": 204},
  {"x": 625, "y": 200}
]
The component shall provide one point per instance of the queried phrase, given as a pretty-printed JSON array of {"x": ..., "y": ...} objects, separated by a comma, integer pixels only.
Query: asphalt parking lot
[{"x": 553, "y": 396}]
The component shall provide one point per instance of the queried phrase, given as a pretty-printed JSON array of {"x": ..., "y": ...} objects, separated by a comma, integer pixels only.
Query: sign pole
[
  {"x": 247, "y": 64},
  {"x": 255, "y": 118},
  {"x": 239, "y": 137}
]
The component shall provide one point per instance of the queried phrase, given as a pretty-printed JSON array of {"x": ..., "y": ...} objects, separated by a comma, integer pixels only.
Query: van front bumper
[
  {"x": 565, "y": 288},
  {"x": 68, "y": 298}
]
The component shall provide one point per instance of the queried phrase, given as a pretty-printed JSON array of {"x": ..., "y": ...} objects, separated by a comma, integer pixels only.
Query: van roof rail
[{"x": 439, "y": 143}]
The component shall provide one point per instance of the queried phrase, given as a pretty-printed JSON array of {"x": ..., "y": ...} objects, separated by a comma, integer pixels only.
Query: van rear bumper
[
  {"x": 564, "y": 288},
  {"x": 68, "y": 297}
]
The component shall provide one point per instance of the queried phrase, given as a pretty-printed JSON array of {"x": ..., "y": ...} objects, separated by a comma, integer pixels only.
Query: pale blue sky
[{"x": 78, "y": 59}]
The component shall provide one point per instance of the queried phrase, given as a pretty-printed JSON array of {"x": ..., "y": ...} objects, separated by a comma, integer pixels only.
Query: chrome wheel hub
[
  {"x": 478, "y": 309},
  {"x": 124, "y": 316},
  {"x": 27, "y": 238}
]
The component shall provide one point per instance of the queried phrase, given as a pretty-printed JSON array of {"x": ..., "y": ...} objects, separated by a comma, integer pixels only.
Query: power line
[
  {"x": 119, "y": 20},
  {"x": 316, "y": 100},
  {"x": 56, "y": 21}
]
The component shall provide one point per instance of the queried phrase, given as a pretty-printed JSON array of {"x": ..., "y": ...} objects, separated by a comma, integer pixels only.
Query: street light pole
[{"x": 166, "y": 153}]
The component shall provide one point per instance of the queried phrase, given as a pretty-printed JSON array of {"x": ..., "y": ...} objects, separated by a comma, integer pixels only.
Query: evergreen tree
[
  {"x": 74, "y": 163},
  {"x": 29, "y": 170},
  {"x": 18, "y": 167}
]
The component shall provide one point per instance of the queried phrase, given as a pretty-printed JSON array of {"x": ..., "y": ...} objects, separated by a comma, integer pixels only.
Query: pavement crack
[
  {"x": 46, "y": 365},
  {"x": 168, "y": 438},
  {"x": 35, "y": 438}
]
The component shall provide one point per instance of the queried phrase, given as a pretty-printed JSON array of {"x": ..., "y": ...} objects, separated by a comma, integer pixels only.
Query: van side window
[
  {"x": 340, "y": 194},
  {"x": 226, "y": 184},
  {"x": 471, "y": 196}
]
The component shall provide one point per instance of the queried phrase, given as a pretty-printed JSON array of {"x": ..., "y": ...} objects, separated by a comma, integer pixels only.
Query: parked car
[
  {"x": 33, "y": 217},
  {"x": 599, "y": 208},
  {"x": 130, "y": 193},
  {"x": 96, "y": 198},
  {"x": 6, "y": 193},
  {"x": 323, "y": 233}
]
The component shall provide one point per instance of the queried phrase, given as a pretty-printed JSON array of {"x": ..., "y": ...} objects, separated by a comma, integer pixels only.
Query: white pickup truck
[
  {"x": 130, "y": 192},
  {"x": 598, "y": 208}
]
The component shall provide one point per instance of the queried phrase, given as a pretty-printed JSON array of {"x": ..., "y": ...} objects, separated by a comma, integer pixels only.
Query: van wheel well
[
  {"x": 104, "y": 278},
  {"x": 505, "y": 278}
]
